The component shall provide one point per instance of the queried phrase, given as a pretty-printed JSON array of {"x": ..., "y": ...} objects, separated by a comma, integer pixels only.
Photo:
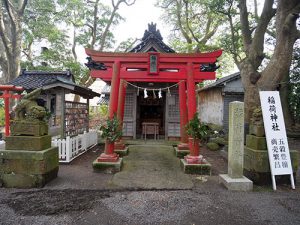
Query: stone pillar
[
  {"x": 183, "y": 116},
  {"x": 236, "y": 140},
  {"x": 235, "y": 180},
  {"x": 109, "y": 155}
]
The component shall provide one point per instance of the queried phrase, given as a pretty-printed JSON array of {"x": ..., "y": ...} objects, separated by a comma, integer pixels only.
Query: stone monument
[
  {"x": 28, "y": 159},
  {"x": 235, "y": 180},
  {"x": 256, "y": 159}
]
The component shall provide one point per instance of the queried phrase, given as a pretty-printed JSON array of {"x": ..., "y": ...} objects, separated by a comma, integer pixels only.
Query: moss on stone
[
  {"x": 215, "y": 127},
  {"x": 254, "y": 142},
  {"x": 219, "y": 140},
  {"x": 108, "y": 167},
  {"x": 213, "y": 146},
  {"x": 201, "y": 169}
]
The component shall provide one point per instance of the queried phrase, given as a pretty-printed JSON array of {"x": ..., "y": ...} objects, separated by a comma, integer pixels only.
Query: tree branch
[
  {"x": 257, "y": 46},
  {"x": 255, "y": 9},
  {"x": 22, "y": 8},
  {"x": 184, "y": 33},
  {"x": 3, "y": 34},
  {"x": 10, "y": 9},
  {"x": 187, "y": 21},
  {"x": 245, "y": 25},
  {"x": 129, "y": 4},
  {"x": 298, "y": 34},
  {"x": 208, "y": 33}
]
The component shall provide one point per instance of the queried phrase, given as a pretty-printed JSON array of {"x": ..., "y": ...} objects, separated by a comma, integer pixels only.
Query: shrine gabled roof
[
  {"x": 152, "y": 41},
  {"x": 31, "y": 80}
]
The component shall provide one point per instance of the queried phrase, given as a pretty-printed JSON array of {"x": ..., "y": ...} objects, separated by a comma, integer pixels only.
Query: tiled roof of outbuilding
[
  {"x": 31, "y": 80},
  {"x": 36, "y": 79},
  {"x": 222, "y": 81}
]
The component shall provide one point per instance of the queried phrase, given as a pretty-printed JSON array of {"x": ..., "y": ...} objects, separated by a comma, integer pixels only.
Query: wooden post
[
  {"x": 183, "y": 116},
  {"x": 193, "y": 157},
  {"x": 6, "y": 110},
  {"x": 120, "y": 113},
  {"x": 109, "y": 155},
  {"x": 114, "y": 92}
]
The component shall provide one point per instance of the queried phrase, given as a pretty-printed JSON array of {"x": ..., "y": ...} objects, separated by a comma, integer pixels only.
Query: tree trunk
[
  {"x": 11, "y": 17},
  {"x": 284, "y": 96},
  {"x": 277, "y": 69}
]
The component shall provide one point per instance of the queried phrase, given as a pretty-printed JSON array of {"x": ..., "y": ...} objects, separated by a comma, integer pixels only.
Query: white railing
[{"x": 72, "y": 147}]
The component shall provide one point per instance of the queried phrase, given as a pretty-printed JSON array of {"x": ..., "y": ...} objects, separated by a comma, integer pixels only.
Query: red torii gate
[
  {"x": 6, "y": 96},
  {"x": 152, "y": 67}
]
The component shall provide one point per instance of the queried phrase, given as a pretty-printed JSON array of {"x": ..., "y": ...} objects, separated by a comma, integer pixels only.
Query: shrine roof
[
  {"x": 36, "y": 79},
  {"x": 222, "y": 81},
  {"x": 152, "y": 41},
  {"x": 31, "y": 80}
]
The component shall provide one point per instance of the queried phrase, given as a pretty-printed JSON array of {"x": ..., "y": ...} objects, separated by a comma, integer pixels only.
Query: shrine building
[{"x": 157, "y": 84}]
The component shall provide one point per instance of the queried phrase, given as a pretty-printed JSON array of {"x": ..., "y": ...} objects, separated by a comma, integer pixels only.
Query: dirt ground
[{"x": 81, "y": 196}]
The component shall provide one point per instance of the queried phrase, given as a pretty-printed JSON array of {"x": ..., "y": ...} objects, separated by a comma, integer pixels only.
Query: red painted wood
[
  {"x": 191, "y": 92},
  {"x": 142, "y": 76},
  {"x": 109, "y": 154},
  {"x": 114, "y": 92},
  {"x": 6, "y": 96},
  {"x": 121, "y": 103},
  {"x": 123, "y": 56},
  {"x": 11, "y": 88},
  {"x": 183, "y": 111},
  {"x": 6, "y": 111}
]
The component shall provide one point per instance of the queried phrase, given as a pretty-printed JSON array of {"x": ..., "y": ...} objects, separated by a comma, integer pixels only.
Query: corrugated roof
[{"x": 222, "y": 81}]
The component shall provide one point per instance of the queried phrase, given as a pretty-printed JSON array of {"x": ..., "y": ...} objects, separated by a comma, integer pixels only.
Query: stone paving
[{"x": 152, "y": 167}]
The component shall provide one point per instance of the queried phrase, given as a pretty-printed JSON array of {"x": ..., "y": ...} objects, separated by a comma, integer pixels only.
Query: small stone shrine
[
  {"x": 256, "y": 160},
  {"x": 28, "y": 160},
  {"x": 235, "y": 180}
]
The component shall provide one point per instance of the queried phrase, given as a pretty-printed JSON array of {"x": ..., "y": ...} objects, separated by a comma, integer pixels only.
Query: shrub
[{"x": 111, "y": 130}]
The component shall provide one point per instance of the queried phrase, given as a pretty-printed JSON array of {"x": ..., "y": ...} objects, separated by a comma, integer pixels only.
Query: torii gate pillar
[
  {"x": 193, "y": 157},
  {"x": 183, "y": 116},
  {"x": 6, "y": 96},
  {"x": 109, "y": 155},
  {"x": 120, "y": 147}
]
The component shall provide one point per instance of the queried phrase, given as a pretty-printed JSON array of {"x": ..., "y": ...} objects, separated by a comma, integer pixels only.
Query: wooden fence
[{"x": 72, "y": 147}]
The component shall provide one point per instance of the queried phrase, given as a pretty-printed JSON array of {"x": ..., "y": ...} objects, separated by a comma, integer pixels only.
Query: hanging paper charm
[
  {"x": 154, "y": 95},
  {"x": 159, "y": 94},
  {"x": 145, "y": 93},
  {"x": 138, "y": 92},
  {"x": 169, "y": 92}
]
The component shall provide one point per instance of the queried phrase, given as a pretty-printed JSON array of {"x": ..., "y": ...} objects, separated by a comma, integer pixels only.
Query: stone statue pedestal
[
  {"x": 28, "y": 143},
  {"x": 28, "y": 160},
  {"x": 31, "y": 128},
  {"x": 28, "y": 169}
]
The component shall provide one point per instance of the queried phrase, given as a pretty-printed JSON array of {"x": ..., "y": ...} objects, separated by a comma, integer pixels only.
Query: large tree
[
  {"x": 11, "y": 17},
  {"x": 261, "y": 44},
  {"x": 277, "y": 69},
  {"x": 193, "y": 24}
]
